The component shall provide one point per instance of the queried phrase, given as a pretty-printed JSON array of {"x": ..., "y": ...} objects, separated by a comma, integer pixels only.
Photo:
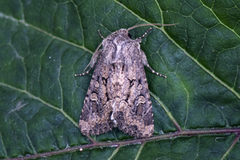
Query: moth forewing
[{"x": 118, "y": 94}]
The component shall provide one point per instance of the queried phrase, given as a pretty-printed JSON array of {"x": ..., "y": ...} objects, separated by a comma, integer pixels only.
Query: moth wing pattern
[
  {"x": 133, "y": 114},
  {"x": 118, "y": 94},
  {"x": 94, "y": 119}
]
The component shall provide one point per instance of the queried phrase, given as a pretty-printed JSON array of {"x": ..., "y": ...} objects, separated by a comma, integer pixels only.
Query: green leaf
[{"x": 196, "y": 108}]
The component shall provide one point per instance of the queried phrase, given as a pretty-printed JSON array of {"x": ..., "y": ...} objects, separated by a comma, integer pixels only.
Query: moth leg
[
  {"x": 94, "y": 58},
  {"x": 92, "y": 62},
  {"x": 145, "y": 33},
  {"x": 145, "y": 62},
  {"x": 161, "y": 75},
  {"x": 100, "y": 34}
]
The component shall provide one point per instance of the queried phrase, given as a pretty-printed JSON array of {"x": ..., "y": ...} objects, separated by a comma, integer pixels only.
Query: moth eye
[{"x": 129, "y": 35}]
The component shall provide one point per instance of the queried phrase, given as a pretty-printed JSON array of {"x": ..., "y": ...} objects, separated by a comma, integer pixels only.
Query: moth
[{"x": 118, "y": 94}]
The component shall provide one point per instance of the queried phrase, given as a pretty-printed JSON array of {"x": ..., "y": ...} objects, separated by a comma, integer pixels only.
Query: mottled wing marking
[
  {"x": 133, "y": 109},
  {"x": 118, "y": 94},
  {"x": 95, "y": 117}
]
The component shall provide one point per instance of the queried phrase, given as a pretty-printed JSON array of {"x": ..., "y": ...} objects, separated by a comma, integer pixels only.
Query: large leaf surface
[{"x": 196, "y": 108}]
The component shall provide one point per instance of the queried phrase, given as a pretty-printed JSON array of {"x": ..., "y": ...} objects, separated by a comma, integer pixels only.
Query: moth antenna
[
  {"x": 92, "y": 62},
  {"x": 100, "y": 34},
  {"x": 151, "y": 24}
]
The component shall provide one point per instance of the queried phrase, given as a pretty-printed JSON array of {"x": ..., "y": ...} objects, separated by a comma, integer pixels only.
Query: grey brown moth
[{"x": 118, "y": 94}]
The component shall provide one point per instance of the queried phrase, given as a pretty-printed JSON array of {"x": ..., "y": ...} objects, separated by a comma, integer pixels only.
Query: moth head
[{"x": 123, "y": 31}]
